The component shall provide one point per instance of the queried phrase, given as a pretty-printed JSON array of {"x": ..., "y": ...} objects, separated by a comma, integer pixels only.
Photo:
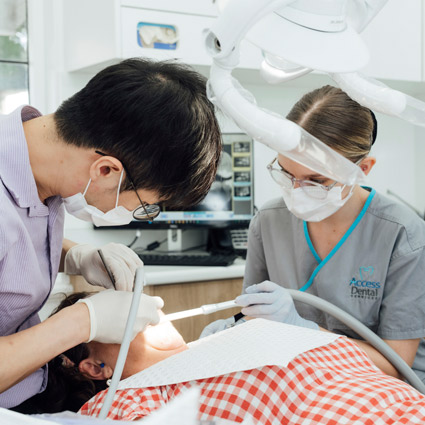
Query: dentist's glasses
[
  {"x": 312, "y": 189},
  {"x": 145, "y": 212}
]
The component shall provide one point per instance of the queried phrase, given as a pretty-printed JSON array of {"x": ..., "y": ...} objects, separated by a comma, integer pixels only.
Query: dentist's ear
[
  {"x": 105, "y": 166},
  {"x": 93, "y": 370}
]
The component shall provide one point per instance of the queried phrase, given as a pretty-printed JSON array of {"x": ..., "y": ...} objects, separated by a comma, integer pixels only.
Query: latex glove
[
  {"x": 220, "y": 325},
  {"x": 122, "y": 262},
  {"x": 271, "y": 301},
  {"x": 217, "y": 326},
  {"x": 109, "y": 312}
]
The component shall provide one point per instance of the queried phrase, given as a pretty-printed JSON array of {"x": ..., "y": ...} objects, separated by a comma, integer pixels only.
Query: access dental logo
[{"x": 365, "y": 287}]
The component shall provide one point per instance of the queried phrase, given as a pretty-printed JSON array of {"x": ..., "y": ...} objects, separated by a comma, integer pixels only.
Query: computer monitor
[{"x": 230, "y": 201}]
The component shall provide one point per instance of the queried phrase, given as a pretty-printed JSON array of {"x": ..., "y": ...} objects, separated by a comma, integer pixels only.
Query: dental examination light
[{"x": 296, "y": 37}]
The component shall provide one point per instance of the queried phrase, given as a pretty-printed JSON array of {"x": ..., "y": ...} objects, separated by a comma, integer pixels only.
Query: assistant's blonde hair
[{"x": 337, "y": 120}]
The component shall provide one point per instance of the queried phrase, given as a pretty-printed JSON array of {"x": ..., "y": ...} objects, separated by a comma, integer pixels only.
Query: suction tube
[
  {"x": 122, "y": 356},
  {"x": 365, "y": 333}
]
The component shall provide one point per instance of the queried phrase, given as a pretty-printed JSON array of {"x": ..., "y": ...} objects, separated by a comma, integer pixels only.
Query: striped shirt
[{"x": 31, "y": 236}]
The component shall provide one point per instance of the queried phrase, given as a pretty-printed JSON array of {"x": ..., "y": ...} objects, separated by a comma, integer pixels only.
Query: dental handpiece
[{"x": 204, "y": 309}]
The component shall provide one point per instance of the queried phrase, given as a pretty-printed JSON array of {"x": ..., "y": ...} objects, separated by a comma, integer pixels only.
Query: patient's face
[{"x": 149, "y": 347}]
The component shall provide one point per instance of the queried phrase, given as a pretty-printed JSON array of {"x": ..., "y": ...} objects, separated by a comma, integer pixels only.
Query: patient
[{"x": 331, "y": 384}]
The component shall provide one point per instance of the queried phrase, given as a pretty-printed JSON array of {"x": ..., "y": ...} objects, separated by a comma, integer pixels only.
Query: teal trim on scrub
[
  {"x": 310, "y": 244},
  {"x": 338, "y": 245}
]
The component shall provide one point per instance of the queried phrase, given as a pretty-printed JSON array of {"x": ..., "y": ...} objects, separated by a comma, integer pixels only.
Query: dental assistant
[
  {"x": 108, "y": 154},
  {"x": 350, "y": 246}
]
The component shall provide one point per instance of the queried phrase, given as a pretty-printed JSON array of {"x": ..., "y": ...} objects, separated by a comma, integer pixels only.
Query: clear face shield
[{"x": 284, "y": 136}]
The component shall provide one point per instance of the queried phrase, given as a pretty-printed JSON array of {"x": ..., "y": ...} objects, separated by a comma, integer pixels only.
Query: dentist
[
  {"x": 138, "y": 133},
  {"x": 348, "y": 245}
]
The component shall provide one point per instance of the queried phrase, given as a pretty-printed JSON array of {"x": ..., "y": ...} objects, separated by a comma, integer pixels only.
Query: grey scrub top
[{"x": 377, "y": 273}]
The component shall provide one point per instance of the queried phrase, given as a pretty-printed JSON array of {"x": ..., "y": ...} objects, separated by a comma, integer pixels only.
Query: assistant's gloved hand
[
  {"x": 109, "y": 312},
  {"x": 122, "y": 262},
  {"x": 271, "y": 301},
  {"x": 217, "y": 326}
]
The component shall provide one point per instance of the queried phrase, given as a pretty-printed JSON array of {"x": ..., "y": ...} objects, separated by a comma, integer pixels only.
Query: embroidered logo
[{"x": 365, "y": 287}]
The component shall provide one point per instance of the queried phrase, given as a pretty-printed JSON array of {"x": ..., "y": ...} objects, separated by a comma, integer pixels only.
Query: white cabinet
[
  {"x": 101, "y": 32},
  {"x": 395, "y": 41},
  {"x": 192, "y": 7}
]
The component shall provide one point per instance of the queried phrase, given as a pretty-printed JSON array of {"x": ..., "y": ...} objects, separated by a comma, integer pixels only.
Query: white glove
[
  {"x": 122, "y": 262},
  {"x": 220, "y": 325},
  {"x": 271, "y": 301},
  {"x": 109, "y": 312}
]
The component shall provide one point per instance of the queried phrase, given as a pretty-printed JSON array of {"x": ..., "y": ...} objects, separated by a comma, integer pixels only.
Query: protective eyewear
[
  {"x": 145, "y": 212},
  {"x": 313, "y": 189}
]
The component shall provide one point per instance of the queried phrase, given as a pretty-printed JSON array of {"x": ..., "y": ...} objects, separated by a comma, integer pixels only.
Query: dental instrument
[
  {"x": 204, "y": 309},
  {"x": 139, "y": 281},
  {"x": 111, "y": 276}
]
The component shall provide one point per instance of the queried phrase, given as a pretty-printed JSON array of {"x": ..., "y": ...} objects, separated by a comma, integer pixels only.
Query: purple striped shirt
[{"x": 31, "y": 236}]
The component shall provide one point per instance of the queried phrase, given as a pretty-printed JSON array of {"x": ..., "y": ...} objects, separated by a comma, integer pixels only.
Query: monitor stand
[{"x": 185, "y": 239}]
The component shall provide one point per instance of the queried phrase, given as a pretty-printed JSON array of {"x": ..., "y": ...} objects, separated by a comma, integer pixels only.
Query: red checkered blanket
[{"x": 332, "y": 384}]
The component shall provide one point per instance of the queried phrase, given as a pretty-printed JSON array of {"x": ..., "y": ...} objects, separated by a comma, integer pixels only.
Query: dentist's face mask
[
  {"x": 310, "y": 201},
  {"x": 78, "y": 207}
]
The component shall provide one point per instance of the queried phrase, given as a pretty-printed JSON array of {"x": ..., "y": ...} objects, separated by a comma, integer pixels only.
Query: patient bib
[{"x": 251, "y": 345}]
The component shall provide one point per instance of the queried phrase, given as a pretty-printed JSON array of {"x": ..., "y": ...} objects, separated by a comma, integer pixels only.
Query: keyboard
[{"x": 186, "y": 259}]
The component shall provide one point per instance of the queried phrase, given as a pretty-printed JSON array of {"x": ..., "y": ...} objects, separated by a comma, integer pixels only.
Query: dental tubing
[
  {"x": 122, "y": 356},
  {"x": 365, "y": 333}
]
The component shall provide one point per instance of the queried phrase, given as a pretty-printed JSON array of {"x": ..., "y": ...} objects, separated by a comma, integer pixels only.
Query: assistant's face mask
[
  {"x": 308, "y": 208},
  {"x": 78, "y": 207}
]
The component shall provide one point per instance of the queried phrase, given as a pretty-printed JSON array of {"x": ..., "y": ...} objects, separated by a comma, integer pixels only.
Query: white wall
[{"x": 399, "y": 149}]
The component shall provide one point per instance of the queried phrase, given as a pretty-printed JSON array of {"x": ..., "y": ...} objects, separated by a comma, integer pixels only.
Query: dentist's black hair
[{"x": 155, "y": 117}]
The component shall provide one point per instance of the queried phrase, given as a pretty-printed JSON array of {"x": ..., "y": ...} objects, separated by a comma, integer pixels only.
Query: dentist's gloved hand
[
  {"x": 271, "y": 301},
  {"x": 108, "y": 312},
  {"x": 217, "y": 326},
  {"x": 122, "y": 261}
]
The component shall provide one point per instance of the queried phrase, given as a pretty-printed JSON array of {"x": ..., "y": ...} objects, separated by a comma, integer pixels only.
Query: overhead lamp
[
  {"x": 297, "y": 36},
  {"x": 287, "y": 50}
]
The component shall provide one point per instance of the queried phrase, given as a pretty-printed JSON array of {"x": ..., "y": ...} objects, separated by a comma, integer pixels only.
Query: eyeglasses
[
  {"x": 145, "y": 212},
  {"x": 313, "y": 189}
]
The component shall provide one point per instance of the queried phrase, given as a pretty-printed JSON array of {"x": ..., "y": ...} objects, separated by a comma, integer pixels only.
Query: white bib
[{"x": 253, "y": 344}]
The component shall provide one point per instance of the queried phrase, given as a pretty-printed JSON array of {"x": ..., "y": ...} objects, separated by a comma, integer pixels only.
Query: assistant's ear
[
  {"x": 105, "y": 166},
  {"x": 91, "y": 369},
  {"x": 367, "y": 164}
]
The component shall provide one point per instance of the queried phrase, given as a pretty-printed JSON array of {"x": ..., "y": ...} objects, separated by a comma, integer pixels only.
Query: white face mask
[
  {"x": 311, "y": 209},
  {"x": 78, "y": 207}
]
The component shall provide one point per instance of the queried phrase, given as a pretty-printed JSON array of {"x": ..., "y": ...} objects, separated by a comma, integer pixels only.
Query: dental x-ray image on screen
[{"x": 229, "y": 202}]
